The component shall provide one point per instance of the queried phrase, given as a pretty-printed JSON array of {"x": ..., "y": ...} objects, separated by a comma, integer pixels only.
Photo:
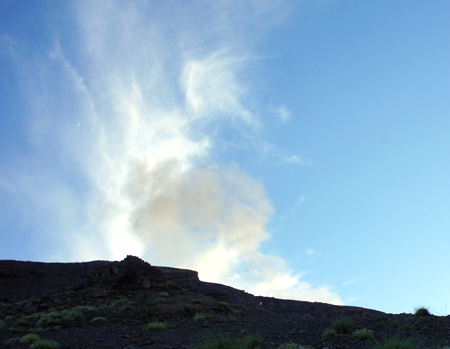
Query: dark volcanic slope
[
  {"x": 103, "y": 304},
  {"x": 19, "y": 279},
  {"x": 285, "y": 306}
]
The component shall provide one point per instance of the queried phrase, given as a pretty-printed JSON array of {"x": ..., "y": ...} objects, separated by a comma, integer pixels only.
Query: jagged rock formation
[{"x": 132, "y": 272}]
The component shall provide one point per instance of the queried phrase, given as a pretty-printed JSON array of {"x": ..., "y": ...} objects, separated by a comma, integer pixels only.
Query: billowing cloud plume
[{"x": 159, "y": 81}]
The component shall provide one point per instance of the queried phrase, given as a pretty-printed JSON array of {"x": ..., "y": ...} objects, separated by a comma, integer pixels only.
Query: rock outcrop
[
  {"x": 183, "y": 278},
  {"x": 132, "y": 272}
]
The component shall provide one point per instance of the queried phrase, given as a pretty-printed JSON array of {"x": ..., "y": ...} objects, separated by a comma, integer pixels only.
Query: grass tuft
[
  {"x": 406, "y": 327},
  {"x": 44, "y": 344},
  {"x": 363, "y": 334},
  {"x": 37, "y": 329},
  {"x": 99, "y": 320},
  {"x": 29, "y": 339},
  {"x": 329, "y": 333},
  {"x": 22, "y": 321},
  {"x": 156, "y": 326},
  {"x": 128, "y": 306},
  {"x": 422, "y": 312},
  {"x": 47, "y": 321},
  {"x": 395, "y": 324},
  {"x": 343, "y": 325},
  {"x": 199, "y": 317},
  {"x": 119, "y": 301},
  {"x": 16, "y": 330},
  {"x": 225, "y": 341},
  {"x": 252, "y": 342},
  {"x": 397, "y": 343},
  {"x": 291, "y": 346}
]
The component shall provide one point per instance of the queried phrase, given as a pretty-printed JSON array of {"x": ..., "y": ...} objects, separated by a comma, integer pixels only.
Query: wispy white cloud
[
  {"x": 351, "y": 299},
  {"x": 348, "y": 282},
  {"x": 295, "y": 159},
  {"x": 293, "y": 208},
  {"x": 283, "y": 113},
  {"x": 56, "y": 53},
  {"x": 212, "y": 87}
]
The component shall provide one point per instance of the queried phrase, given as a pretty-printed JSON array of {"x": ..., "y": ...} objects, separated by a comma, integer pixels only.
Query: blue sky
[{"x": 294, "y": 149}]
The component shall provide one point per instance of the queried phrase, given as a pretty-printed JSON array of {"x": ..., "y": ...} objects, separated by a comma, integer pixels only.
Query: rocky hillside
[{"x": 132, "y": 304}]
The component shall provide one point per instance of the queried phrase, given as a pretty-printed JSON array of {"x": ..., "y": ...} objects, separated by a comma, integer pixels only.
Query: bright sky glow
[{"x": 297, "y": 149}]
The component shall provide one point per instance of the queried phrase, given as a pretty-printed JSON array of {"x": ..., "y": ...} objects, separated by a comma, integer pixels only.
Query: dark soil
[{"x": 46, "y": 299}]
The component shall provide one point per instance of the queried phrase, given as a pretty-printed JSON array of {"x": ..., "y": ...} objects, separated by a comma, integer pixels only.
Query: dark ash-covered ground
[{"x": 58, "y": 301}]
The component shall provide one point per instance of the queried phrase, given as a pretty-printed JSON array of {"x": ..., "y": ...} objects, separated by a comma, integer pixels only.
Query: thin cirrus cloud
[
  {"x": 284, "y": 113},
  {"x": 149, "y": 98}
]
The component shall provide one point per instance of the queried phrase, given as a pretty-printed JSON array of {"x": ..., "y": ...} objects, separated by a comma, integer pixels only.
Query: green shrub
[
  {"x": 156, "y": 326},
  {"x": 34, "y": 316},
  {"x": 395, "y": 324},
  {"x": 397, "y": 343},
  {"x": 196, "y": 301},
  {"x": 224, "y": 341},
  {"x": 329, "y": 333},
  {"x": 119, "y": 301},
  {"x": 37, "y": 329},
  {"x": 252, "y": 342},
  {"x": 422, "y": 312},
  {"x": 199, "y": 317},
  {"x": 292, "y": 346},
  {"x": 22, "y": 321},
  {"x": 29, "y": 339},
  {"x": 76, "y": 312},
  {"x": 343, "y": 325},
  {"x": 47, "y": 321},
  {"x": 44, "y": 344},
  {"x": 289, "y": 346},
  {"x": 164, "y": 294},
  {"x": 129, "y": 306},
  {"x": 221, "y": 341},
  {"x": 15, "y": 330},
  {"x": 99, "y": 320},
  {"x": 363, "y": 334},
  {"x": 223, "y": 304},
  {"x": 84, "y": 308}
]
